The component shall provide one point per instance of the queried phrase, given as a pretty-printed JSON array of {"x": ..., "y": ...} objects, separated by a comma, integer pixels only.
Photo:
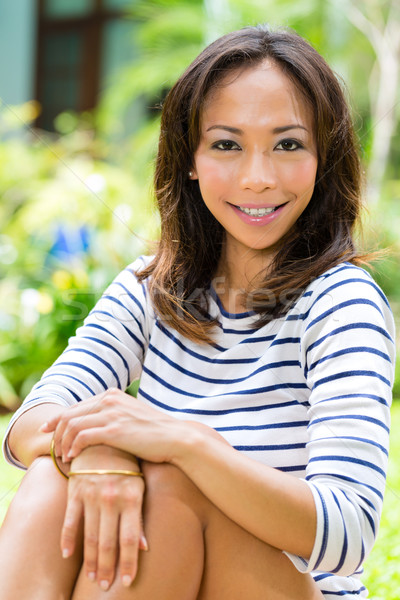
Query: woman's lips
[{"x": 258, "y": 220}]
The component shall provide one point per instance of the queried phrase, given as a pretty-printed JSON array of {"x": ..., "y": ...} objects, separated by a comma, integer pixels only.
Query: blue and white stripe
[{"x": 308, "y": 394}]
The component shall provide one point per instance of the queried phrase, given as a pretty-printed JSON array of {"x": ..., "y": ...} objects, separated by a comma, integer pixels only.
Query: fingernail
[
  {"x": 104, "y": 585},
  {"x": 126, "y": 580},
  {"x": 65, "y": 553},
  {"x": 144, "y": 543},
  {"x": 43, "y": 427},
  {"x": 91, "y": 575}
]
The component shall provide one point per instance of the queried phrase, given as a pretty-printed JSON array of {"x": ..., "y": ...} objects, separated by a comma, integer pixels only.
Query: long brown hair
[{"x": 191, "y": 238}]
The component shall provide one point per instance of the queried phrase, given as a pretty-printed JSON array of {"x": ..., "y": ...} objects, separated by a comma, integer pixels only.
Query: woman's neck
[{"x": 237, "y": 276}]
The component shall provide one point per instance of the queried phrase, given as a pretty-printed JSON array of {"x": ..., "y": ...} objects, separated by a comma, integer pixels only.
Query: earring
[{"x": 190, "y": 173}]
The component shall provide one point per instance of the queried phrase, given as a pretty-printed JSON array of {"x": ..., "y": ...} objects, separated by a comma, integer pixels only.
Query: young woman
[{"x": 252, "y": 462}]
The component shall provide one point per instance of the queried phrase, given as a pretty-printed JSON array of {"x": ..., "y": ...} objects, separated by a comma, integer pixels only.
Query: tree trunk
[{"x": 384, "y": 37}]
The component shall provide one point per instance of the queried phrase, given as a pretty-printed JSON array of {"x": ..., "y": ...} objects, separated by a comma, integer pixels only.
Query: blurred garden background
[{"x": 81, "y": 84}]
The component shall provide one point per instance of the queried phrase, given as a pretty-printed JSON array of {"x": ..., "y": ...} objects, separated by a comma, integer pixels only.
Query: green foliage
[
  {"x": 69, "y": 222},
  {"x": 383, "y": 232},
  {"x": 169, "y": 36}
]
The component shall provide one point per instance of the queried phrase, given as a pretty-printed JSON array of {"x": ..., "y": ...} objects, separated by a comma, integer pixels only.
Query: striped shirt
[{"x": 308, "y": 393}]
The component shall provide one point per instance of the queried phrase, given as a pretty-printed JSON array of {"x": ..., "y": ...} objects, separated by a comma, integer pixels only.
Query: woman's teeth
[{"x": 257, "y": 212}]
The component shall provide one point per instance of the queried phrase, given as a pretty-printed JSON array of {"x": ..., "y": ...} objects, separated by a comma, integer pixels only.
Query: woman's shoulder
[
  {"x": 140, "y": 263},
  {"x": 128, "y": 276},
  {"x": 346, "y": 295},
  {"x": 127, "y": 292},
  {"x": 347, "y": 281}
]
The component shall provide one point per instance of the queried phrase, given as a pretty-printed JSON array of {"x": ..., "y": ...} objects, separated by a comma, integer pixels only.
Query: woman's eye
[
  {"x": 289, "y": 145},
  {"x": 226, "y": 145}
]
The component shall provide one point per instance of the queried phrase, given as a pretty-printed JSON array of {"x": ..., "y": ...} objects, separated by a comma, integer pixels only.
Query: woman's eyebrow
[
  {"x": 226, "y": 128},
  {"x": 287, "y": 127},
  {"x": 238, "y": 131}
]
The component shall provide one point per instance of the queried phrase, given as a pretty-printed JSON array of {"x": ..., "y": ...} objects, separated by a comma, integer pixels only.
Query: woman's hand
[
  {"x": 111, "y": 508},
  {"x": 116, "y": 419},
  {"x": 124, "y": 427}
]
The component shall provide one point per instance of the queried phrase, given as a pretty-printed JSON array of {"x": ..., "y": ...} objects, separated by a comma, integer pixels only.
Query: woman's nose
[{"x": 257, "y": 173}]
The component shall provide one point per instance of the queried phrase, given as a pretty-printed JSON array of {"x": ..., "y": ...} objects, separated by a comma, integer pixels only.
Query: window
[{"x": 80, "y": 45}]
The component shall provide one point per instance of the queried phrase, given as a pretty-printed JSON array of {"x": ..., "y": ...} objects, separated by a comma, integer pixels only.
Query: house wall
[{"x": 17, "y": 50}]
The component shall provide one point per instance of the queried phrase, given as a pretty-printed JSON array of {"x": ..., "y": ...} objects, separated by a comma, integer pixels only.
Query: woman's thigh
[{"x": 239, "y": 565}]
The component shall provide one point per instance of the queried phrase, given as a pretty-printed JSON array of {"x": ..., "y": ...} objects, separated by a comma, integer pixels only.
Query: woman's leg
[
  {"x": 197, "y": 553},
  {"x": 31, "y": 565},
  {"x": 239, "y": 565}
]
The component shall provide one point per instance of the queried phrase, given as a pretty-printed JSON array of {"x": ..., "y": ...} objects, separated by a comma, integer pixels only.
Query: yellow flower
[
  {"x": 45, "y": 303},
  {"x": 62, "y": 279}
]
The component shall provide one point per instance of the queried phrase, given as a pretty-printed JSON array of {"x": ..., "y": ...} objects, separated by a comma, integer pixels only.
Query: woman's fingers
[
  {"x": 68, "y": 430},
  {"x": 91, "y": 405},
  {"x": 97, "y": 435},
  {"x": 91, "y": 534},
  {"x": 76, "y": 418},
  {"x": 74, "y": 433},
  {"x": 108, "y": 537},
  {"x": 69, "y": 533},
  {"x": 120, "y": 532},
  {"x": 130, "y": 538},
  {"x": 71, "y": 412}
]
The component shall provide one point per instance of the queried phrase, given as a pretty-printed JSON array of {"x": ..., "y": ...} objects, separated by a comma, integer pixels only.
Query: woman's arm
[
  {"x": 276, "y": 507},
  {"x": 26, "y": 440}
]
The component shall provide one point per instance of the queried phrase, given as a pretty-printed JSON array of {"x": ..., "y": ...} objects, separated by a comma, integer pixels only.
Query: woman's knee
[
  {"x": 164, "y": 479},
  {"x": 41, "y": 496},
  {"x": 30, "y": 536},
  {"x": 168, "y": 486}
]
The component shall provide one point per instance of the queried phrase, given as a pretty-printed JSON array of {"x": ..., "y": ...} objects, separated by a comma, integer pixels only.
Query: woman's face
[{"x": 257, "y": 158}]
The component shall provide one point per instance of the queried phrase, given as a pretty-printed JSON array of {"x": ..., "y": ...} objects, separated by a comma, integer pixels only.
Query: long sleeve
[
  {"x": 348, "y": 358},
  {"x": 106, "y": 351}
]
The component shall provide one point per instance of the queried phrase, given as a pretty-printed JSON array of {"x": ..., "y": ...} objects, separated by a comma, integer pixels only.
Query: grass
[
  {"x": 382, "y": 572},
  {"x": 382, "y": 568}
]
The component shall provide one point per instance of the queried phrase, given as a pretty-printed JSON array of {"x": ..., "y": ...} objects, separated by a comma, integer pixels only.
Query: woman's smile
[{"x": 253, "y": 215}]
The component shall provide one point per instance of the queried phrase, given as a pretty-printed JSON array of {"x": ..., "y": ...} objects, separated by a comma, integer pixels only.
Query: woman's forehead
[{"x": 255, "y": 89}]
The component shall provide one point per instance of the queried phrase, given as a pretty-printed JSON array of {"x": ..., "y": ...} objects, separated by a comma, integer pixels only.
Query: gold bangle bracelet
[
  {"x": 105, "y": 472},
  {"x": 53, "y": 456}
]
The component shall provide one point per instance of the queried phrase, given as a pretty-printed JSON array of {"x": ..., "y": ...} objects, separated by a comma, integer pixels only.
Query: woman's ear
[{"x": 192, "y": 175}]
